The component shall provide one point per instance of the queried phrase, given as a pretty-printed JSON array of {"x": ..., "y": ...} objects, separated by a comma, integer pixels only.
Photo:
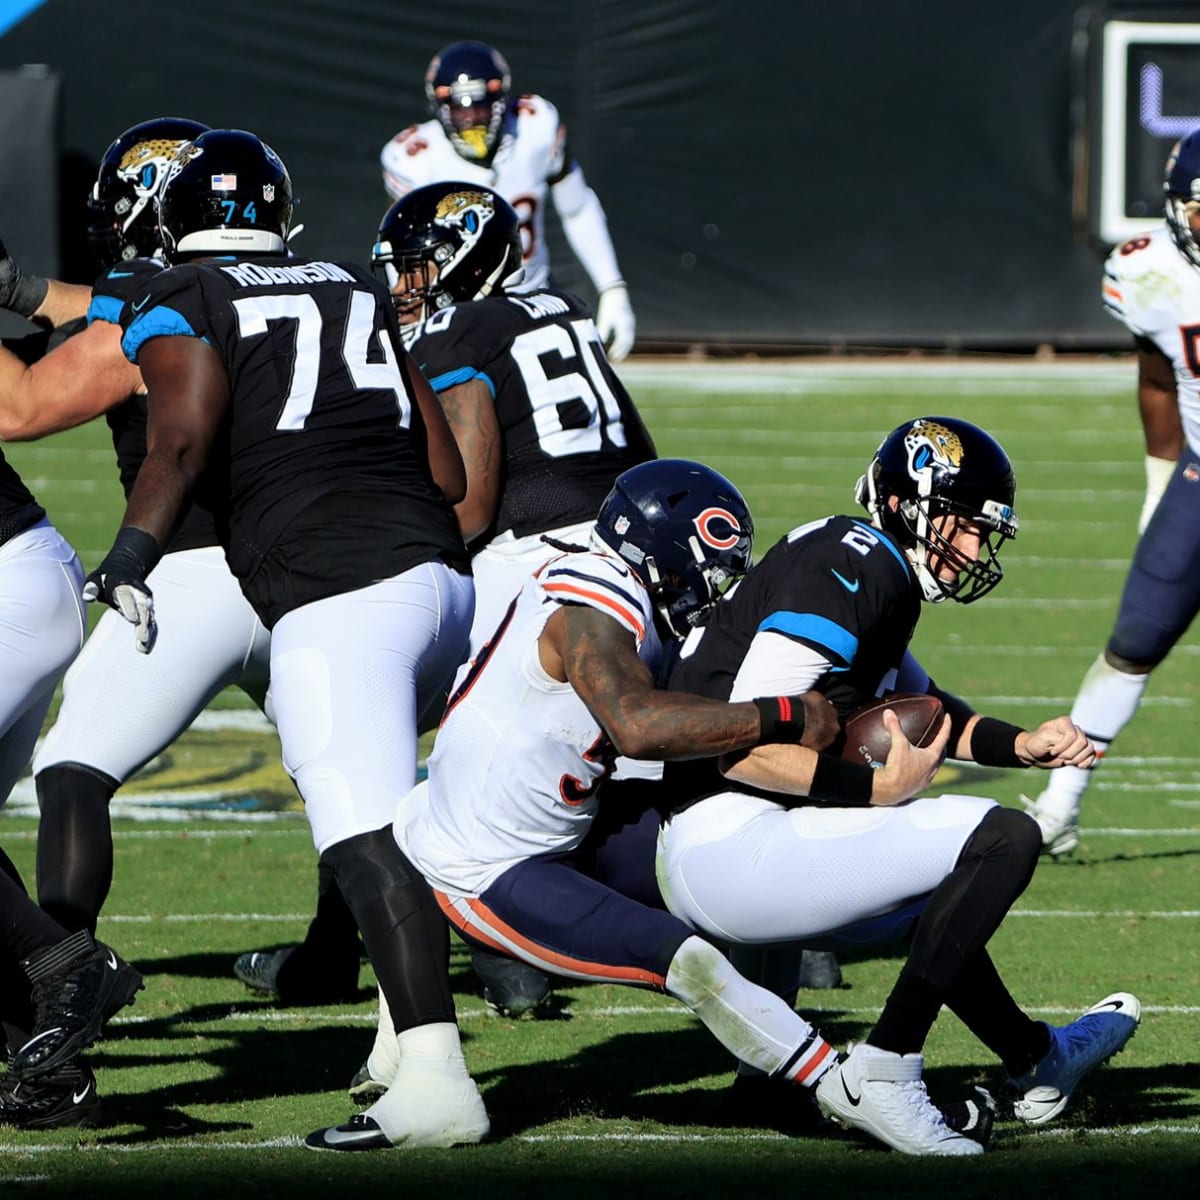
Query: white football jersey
[
  {"x": 519, "y": 758},
  {"x": 531, "y": 154},
  {"x": 1155, "y": 291}
]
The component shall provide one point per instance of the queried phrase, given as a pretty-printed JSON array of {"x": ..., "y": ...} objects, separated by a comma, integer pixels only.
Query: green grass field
[{"x": 207, "y": 1088}]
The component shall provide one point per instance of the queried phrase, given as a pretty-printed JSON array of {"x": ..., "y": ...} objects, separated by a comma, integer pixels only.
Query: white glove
[
  {"x": 134, "y": 602},
  {"x": 615, "y": 321},
  {"x": 120, "y": 582},
  {"x": 1158, "y": 475}
]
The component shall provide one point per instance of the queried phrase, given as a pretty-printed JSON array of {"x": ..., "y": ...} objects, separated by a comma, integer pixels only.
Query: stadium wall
[{"x": 787, "y": 173}]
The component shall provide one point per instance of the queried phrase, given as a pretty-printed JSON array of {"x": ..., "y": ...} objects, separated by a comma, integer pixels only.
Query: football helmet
[
  {"x": 122, "y": 219},
  {"x": 469, "y": 233},
  {"x": 227, "y": 192},
  {"x": 684, "y": 530},
  {"x": 468, "y": 86},
  {"x": 938, "y": 466},
  {"x": 1182, "y": 188}
]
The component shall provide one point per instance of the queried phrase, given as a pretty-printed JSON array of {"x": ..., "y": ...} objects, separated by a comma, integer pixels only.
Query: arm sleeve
[{"x": 586, "y": 228}]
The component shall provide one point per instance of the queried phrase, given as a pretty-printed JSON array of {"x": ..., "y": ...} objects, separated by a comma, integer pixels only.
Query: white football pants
[
  {"x": 350, "y": 676},
  {"x": 42, "y": 624},
  {"x": 742, "y": 869},
  {"x": 121, "y": 708}
]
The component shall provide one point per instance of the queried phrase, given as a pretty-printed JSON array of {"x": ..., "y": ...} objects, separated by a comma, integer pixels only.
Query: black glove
[
  {"x": 19, "y": 293},
  {"x": 120, "y": 582}
]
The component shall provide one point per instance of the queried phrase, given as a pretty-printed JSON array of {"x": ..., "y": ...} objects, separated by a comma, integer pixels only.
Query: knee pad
[{"x": 1005, "y": 833}]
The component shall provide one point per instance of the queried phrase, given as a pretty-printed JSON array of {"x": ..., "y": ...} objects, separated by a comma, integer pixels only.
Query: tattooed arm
[
  {"x": 471, "y": 415},
  {"x": 597, "y": 656}
]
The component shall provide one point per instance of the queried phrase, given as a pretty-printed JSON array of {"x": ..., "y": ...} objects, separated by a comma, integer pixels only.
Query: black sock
[
  {"x": 23, "y": 929},
  {"x": 963, "y": 912},
  {"x": 333, "y": 930},
  {"x": 980, "y": 1000},
  {"x": 74, "y": 849},
  {"x": 407, "y": 939}
]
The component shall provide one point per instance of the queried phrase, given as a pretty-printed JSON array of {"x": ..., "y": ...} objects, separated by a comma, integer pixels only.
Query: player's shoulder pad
[
  {"x": 602, "y": 581},
  {"x": 117, "y": 285},
  {"x": 171, "y": 304},
  {"x": 1144, "y": 279}
]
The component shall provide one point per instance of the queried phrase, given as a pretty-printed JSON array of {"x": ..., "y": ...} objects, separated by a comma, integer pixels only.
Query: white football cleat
[
  {"x": 430, "y": 1104},
  {"x": 1058, "y": 818},
  {"x": 1075, "y": 1051},
  {"x": 882, "y": 1094}
]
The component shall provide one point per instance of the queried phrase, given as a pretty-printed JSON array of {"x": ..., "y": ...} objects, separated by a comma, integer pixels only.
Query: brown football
[{"x": 867, "y": 738}]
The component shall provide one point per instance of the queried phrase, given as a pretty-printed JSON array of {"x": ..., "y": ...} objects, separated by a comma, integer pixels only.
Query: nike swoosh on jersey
[{"x": 846, "y": 583}]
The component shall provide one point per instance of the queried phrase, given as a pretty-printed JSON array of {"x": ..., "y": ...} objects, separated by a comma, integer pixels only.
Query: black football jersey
[
  {"x": 840, "y": 586},
  {"x": 318, "y": 479},
  {"x": 18, "y": 509},
  {"x": 127, "y": 422},
  {"x": 569, "y": 426}
]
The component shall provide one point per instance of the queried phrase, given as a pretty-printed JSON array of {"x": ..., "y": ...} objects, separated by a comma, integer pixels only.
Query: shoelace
[{"x": 929, "y": 1114}]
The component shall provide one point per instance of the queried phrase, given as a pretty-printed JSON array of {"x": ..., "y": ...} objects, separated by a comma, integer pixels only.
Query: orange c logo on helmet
[{"x": 704, "y": 523}]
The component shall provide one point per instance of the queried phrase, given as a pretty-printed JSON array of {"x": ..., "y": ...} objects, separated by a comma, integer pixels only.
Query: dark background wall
[{"x": 792, "y": 172}]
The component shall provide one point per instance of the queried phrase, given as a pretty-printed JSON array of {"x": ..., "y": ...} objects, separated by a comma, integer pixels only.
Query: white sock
[
  {"x": 435, "y": 1043},
  {"x": 1106, "y": 703},
  {"x": 385, "y": 1053},
  {"x": 754, "y": 1025}
]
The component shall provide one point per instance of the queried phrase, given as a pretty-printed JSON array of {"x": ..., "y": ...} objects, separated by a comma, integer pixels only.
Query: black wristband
[
  {"x": 994, "y": 743},
  {"x": 781, "y": 719},
  {"x": 134, "y": 549},
  {"x": 838, "y": 782},
  {"x": 19, "y": 292}
]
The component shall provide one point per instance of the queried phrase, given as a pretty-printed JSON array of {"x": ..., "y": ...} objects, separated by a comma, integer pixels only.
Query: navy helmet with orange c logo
[{"x": 684, "y": 530}]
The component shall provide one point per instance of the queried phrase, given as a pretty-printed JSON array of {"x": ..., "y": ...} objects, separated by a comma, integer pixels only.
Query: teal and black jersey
[
  {"x": 319, "y": 480},
  {"x": 839, "y": 586},
  {"x": 568, "y": 425}
]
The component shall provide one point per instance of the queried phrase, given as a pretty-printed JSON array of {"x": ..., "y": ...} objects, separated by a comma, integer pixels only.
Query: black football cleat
[
  {"x": 819, "y": 970},
  {"x": 77, "y": 985},
  {"x": 972, "y": 1118},
  {"x": 57, "y": 1099},
  {"x": 359, "y": 1133},
  {"x": 293, "y": 977},
  {"x": 511, "y": 988}
]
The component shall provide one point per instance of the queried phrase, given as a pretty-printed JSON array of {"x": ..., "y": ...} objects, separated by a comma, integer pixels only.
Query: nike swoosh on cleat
[
  {"x": 80, "y": 1097},
  {"x": 854, "y": 1100},
  {"x": 112, "y": 960},
  {"x": 846, "y": 583}
]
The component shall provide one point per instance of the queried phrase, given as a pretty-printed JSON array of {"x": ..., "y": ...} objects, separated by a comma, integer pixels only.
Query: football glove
[
  {"x": 19, "y": 293},
  {"x": 615, "y": 321},
  {"x": 120, "y": 582}
]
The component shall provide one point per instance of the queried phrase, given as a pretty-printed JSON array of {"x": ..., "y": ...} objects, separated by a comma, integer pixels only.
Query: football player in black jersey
[
  {"x": 94, "y": 746},
  {"x": 281, "y": 394},
  {"x": 812, "y": 846},
  {"x": 544, "y": 426}
]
